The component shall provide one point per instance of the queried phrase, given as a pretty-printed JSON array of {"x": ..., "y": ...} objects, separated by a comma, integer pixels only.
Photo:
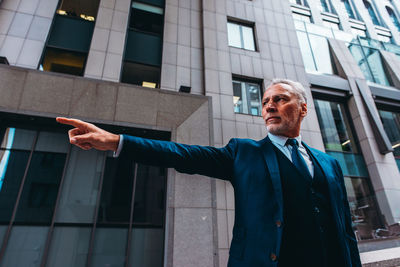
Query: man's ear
[{"x": 303, "y": 111}]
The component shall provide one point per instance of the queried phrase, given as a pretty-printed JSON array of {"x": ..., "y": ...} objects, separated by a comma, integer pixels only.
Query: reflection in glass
[
  {"x": 334, "y": 126},
  {"x": 25, "y": 246},
  {"x": 146, "y": 18},
  {"x": 109, "y": 247},
  {"x": 147, "y": 247},
  {"x": 391, "y": 124},
  {"x": 324, "y": 6},
  {"x": 13, "y": 167},
  {"x": 150, "y": 193},
  {"x": 81, "y": 186},
  {"x": 69, "y": 247},
  {"x": 306, "y": 52},
  {"x": 375, "y": 63},
  {"x": 371, "y": 12},
  {"x": 393, "y": 18},
  {"x": 80, "y": 9},
  {"x": 241, "y": 36},
  {"x": 247, "y": 98},
  {"x": 364, "y": 209},
  {"x": 116, "y": 195},
  {"x": 63, "y": 61},
  {"x": 14, "y": 138},
  {"x": 322, "y": 55},
  {"x": 40, "y": 188},
  {"x": 349, "y": 9}
]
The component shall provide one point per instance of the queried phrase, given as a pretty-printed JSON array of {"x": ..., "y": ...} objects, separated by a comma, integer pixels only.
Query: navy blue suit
[{"x": 252, "y": 168}]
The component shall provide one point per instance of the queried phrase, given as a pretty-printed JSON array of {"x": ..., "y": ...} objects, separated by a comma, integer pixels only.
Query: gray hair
[{"x": 295, "y": 88}]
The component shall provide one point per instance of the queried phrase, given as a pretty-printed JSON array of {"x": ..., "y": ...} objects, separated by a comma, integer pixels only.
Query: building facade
[{"x": 190, "y": 71}]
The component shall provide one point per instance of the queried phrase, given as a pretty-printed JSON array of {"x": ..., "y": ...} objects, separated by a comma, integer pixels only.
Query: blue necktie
[{"x": 298, "y": 159}]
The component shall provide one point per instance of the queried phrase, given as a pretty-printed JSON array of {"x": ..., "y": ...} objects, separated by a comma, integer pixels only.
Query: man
[{"x": 291, "y": 206}]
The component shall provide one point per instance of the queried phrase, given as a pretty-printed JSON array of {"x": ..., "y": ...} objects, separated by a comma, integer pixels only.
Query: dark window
[
  {"x": 69, "y": 39},
  {"x": 63, "y": 61},
  {"x": 393, "y": 18},
  {"x": 142, "y": 58},
  {"x": 349, "y": 9},
  {"x": 146, "y": 18},
  {"x": 371, "y": 13},
  {"x": 139, "y": 74},
  {"x": 391, "y": 123}
]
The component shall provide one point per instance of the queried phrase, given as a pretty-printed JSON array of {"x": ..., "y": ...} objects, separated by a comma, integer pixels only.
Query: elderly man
[{"x": 291, "y": 207}]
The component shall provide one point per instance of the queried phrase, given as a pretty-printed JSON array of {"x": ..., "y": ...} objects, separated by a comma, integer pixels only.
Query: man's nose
[{"x": 270, "y": 106}]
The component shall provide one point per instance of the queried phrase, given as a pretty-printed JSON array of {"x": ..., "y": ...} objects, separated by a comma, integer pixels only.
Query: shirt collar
[{"x": 281, "y": 140}]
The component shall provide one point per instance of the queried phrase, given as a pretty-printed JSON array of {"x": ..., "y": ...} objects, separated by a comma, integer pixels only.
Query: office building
[{"x": 190, "y": 71}]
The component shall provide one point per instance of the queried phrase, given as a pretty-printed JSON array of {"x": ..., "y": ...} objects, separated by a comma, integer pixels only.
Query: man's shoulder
[{"x": 321, "y": 154}]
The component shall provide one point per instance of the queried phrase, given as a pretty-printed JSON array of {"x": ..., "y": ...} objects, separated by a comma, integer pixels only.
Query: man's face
[{"x": 282, "y": 111}]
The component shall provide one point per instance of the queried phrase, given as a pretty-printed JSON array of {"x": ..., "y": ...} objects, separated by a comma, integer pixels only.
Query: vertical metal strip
[
  {"x": 8, "y": 232},
  {"x": 129, "y": 241},
  {"x": 50, "y": 233},
  {"x": 92, "y": 234}
]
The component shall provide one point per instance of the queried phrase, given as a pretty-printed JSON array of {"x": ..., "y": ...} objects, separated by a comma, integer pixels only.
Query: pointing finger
[{"x": 73, "y": 122}]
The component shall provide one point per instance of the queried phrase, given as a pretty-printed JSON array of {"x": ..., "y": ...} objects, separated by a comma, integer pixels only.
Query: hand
[{"x": 86, "y": 135}]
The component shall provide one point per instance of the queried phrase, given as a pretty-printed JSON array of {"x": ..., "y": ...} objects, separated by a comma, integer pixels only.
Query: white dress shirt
[{"x": 280, "y": 141}]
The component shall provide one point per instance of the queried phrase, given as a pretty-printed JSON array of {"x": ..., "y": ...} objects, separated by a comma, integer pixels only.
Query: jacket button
[
  {"x": 273, "y": 257},
  {"x": 316, "y": 209},
  {"x": 278, "y": 223}
]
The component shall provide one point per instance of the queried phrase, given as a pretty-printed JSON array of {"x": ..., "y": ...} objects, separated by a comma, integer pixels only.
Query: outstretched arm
[
  {"x": 192, "y": 159},
  {"x": 86, "y": 135}
]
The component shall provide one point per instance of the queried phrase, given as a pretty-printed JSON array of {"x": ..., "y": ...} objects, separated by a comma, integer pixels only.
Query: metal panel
[{"x": 377, "y": 127}]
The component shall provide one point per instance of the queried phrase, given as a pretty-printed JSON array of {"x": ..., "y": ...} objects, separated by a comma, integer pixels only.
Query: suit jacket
[{"x": 252, "y": 168}]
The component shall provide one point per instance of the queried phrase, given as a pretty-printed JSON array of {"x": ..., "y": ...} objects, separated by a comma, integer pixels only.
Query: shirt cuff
[{"x": 120, "y": 145}]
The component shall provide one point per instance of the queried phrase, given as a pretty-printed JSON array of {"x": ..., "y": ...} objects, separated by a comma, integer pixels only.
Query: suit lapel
[{"x": 272, "y": 164}]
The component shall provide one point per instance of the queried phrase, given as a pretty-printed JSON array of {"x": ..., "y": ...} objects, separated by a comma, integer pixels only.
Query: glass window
[
  {"x": 147, "y": 247},
  {"x": 146, "y": 18},
  {"x": 349, "y": 9},
  {"x": 69, "y": 247},
  {"x": 109, "y": 247},
  {"x": 139, "y": 74},
  {"x": 370, "y": 62},
  {"x": 299, "y": 2},
  {"x": 143, "y": 46},
  {"x": 340, "y": 143},
  {"x": 371, "y": 13},
  {"x": 247, "y": 97},
  {"x": 116, "y": 195},
  {"x": 80, "y": 9},
  {"x": 334, "y": 126},
  {"x": 315, "y": 52},
  {"x": 62, "y": 61},
  {"x": 364, "y": 209},
  {"x": 81, "y": 186},
  {"x": 241, "y": 36},
  {"x": 324, "y": 6},
  {"x": 25, "y": 246},
  {"x": 393, "y": 18},
  {"x": 391, "y": 124}
]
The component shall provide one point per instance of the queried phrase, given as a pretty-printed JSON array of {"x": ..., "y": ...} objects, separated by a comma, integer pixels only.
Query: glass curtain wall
[
  {"x": 366, "y": 53},
  {"x": 340, "y": 143},
  {"x": 69, "y": 40},
  {"x": 315, "y": 48},
  {"x": 391, "y": 123},
  {"x": 62, "y": 206}
]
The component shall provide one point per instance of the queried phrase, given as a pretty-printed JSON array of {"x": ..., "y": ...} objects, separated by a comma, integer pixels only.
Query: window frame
[
  {"x": 243, "y": 82},
  {"x": 241, "y": 24}
]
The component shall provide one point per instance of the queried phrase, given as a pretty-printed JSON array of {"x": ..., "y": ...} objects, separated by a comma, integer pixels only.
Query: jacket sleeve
[
  {"x": 350, "y": 236},
  {"x": 191, "y": 159}
]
